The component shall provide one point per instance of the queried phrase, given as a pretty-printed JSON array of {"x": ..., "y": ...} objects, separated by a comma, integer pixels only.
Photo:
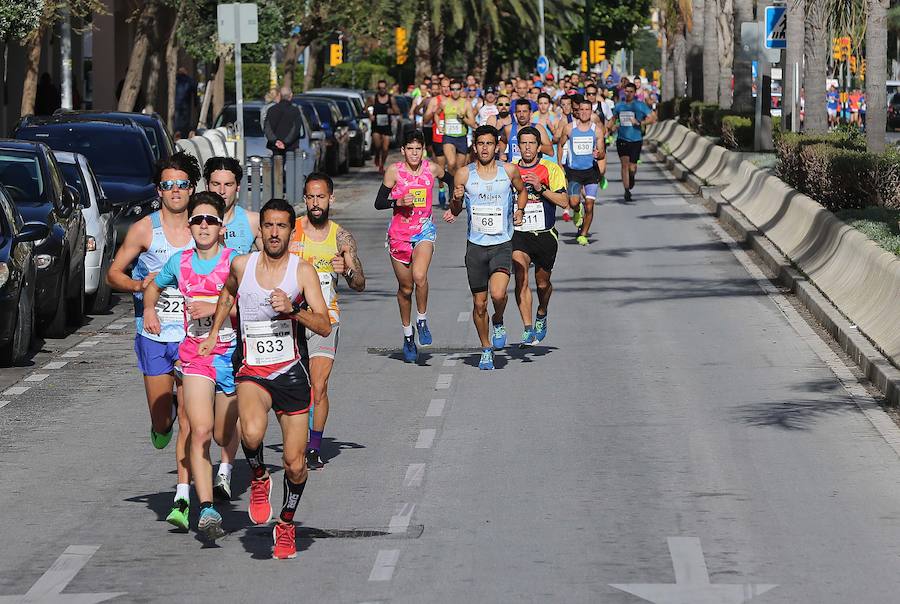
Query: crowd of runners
[{"x": 237, "y": 312}]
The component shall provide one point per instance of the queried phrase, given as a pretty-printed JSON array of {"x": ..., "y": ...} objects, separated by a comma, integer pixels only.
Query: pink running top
[
  {"x": 408, "y": 222},
  {"x": 203, "y": 288}
]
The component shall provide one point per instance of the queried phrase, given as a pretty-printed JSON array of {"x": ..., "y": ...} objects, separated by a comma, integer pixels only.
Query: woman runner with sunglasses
[{"x": 208, "y": 381}]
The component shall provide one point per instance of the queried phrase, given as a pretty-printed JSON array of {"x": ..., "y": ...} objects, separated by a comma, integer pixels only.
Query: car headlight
[
  {"x": 353, "y": 134},
  {"x": 43, "y": 260},
  {"x": 91, "y": 244},
  {"x": 4, "y": 274}
]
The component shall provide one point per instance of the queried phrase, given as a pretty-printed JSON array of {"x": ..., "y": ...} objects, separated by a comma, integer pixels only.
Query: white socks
[
  {"x": 225, "y": 469},
  {"x": 407, "y": 331},
  {"x": 421, "y": 316},
  {"x": 183, "y": 491}
]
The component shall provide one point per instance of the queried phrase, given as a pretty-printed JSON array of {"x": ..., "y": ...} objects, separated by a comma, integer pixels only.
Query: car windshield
[
  {"x": 110, "y": 152},
  {"x": 21, "y": 173},
  {"x": 154, "y": 141},
  {"x": 252, "y": 127},
  {"x": 324, "y": 112},
  {"x": 346, "y": 109},
  {"x": 74, "y": 178},
  {"x": 312, "y": 116}
]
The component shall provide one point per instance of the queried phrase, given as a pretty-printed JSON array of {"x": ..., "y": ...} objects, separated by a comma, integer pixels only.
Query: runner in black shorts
[
  {"x": 277, "y": 294},
  {"x": 536, "y": 241},
  {"x": 630, "y": 115}
]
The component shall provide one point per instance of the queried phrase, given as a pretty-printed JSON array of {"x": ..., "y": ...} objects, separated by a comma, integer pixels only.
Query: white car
[
  {"x": 98, "y": 223},
  {"x": 357, "y": 97}
]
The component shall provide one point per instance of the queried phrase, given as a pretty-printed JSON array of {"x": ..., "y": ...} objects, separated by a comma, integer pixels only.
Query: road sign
[
  {"x": 776, "y": 27},
  {"x": 542, "y": 65},
  {"x": 238, "y": 23}
]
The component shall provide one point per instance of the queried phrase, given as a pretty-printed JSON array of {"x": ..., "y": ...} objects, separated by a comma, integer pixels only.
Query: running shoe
[
  {"x": 424, "y": 333},
  {"x": 528, "y": 338},
  {"x": 565, "y": 215},
  {"x": 578, "y": 217},
  {"x": 410, "y": 352},
  {"x": 222, "y": 487},
  {"x": 179, "y": 515},
  {"x": 442, "y": 198},
  {"x": 161, "y": 440},
  {"x": 487, "y": 359},
  {"x": 540, "y": 328},
  {"x": 314, "y": 460},
  {"x": 582, "y": 240},
  {"x": 210, "y": 524},
  {"x": 603, "y": 183},
  {"x": 499, "y": 337},
  {"x": 260, "y": 511},
  {"x": 627, "y": 194},
  {"x": 285, "y": 541}
]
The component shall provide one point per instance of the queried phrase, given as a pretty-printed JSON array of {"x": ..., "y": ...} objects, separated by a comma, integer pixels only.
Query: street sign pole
[
  {"x": 239, "y": 85},
  {"x": 541, "y": 49}
]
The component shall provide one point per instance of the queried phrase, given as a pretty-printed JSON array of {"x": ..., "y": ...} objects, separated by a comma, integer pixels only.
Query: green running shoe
[
  {"x": 578, "y": 216},
  {"x": 582, "y": 240},
  {"x": 179, "y": 515},
  {"x": 161, "y": 441},
  {"x": 603, "y": 183}
]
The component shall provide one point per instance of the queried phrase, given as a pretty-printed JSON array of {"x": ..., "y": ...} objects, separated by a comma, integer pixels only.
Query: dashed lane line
[
  {"x": 436, "y": 407},
  {"x": 36, "y": 377},
  {"x": 443, "y": 381},
  {"x": 415, "y": 473},
  {"x": 55, "y": 365},
  {"x": 16, "y": 390},
  {"x": 463, "y": 317},
  {"x": 385, "y": 563},
  {"x": 3, "y": 404},
  {"x": 426, "y": 438},
  {"x": 400, "y": 521},
  {"x": 72, "y": 354}
]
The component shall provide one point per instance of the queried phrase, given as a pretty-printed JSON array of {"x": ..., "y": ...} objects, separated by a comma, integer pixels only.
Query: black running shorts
[
  {"x": 629, "y": 149},
  {"x": 482, "y": 261},
  {"x": 540, "y": 246}
]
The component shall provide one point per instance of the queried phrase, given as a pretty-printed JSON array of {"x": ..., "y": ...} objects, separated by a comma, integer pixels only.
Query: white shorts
[{"x": 317, "y": 346}]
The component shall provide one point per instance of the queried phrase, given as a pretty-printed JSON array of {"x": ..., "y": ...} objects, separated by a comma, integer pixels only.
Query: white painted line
[
  {"x": 48, "y": 588},
  {"x": 426, "y": 438},
  {"x": 688, "y": 560},
  {"x": 400, "y": 521},
  {"x": 414, "y": 475},
  {"x": 443, "y": 381},
  {"x": 449, "y": 362},
  {"x": 436, "y": 407},
  {"x": 72, "y": 354},
  {"x": 56, "y": 365},
  {"x": 385, "y": 562},
  {"x": 463, "y": 316},
  {"x": 16, "y": 390},
  {"x": 87, "y": 344},
  {"x": 101, "y": 335},
  {"x": 117, "y": 325},
  {"x": 36, "y": 377},
  {"x": 3, "y": 404}
]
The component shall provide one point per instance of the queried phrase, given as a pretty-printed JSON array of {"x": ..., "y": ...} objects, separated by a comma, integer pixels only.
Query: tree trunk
[
  {"x": 743, "y": 98},
  {"x": 710, "y": 53},
  {"x": 291, "y": 54},
  {"x": 33, "y": 51},
  {"x": 679, "y": 52},
  {"x": 423, "y": 44},
  {"x": 218, "y": 91},
  {"x": 172, "y": 72},
  {"x": 817, "y": 49},
  {"x": 139, "y": 48},
  {"x": 437, "y": 49},
  {"x": 313, "y": 68},
  {"x": 725, "y": 31},
  {"x": 155, "y": 64},
  {"x": 482, "y": 53},
  {"x": 695, "y": 32},
  {"x": 876, "y": 73},
  {"x": 796, "y": 32}
]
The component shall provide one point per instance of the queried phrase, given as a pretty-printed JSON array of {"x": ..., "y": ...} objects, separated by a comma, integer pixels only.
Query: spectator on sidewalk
[{"x": 280, "y": 126}]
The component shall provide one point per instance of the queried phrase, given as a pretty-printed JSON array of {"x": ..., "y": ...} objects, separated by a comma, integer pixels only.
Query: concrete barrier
[{"x": 710, "y": 163}]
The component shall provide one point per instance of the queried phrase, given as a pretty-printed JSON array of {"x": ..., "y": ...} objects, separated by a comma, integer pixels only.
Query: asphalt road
[{"x": 682, "y": 434}]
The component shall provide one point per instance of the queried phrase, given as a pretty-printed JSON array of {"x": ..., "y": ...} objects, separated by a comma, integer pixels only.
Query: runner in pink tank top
[{"x": 407, "y": 189}]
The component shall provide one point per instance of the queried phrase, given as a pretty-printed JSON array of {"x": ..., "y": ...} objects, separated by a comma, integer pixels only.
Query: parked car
[
  {"x": 401, "y": 124},
  {"x": 317, "y": 133},
  {"x": 337, "y": 135},
  {"x": 355, "y": 128},
  {"x": 119, "y": 153},
  {"x": 17, "y": 277},
  {"x": 34, "y": 180},
  {"x": 161, "y": 142},
  {"x": 358, "y": 99},
  {"x": 101, "y": 237},
  {"x": 255, "y": 137},
  {"x": 893, "y": 112}
]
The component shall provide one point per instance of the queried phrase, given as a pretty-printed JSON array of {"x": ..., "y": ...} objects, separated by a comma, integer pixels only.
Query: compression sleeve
[
  {"x": 447, "y": 178},
  {"x": 382, "y": 201}
]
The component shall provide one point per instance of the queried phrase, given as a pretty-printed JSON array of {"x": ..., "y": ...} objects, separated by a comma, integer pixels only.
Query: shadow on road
[{"x": 802, "y": 413}]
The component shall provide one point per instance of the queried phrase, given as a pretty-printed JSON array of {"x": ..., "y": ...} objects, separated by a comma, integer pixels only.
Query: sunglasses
[
  {"x": 168, "y": 185},
  {"x": 455, "y": 88},
  {"x": 503, "y": 104},
  {"x": 209, "y": 219}
]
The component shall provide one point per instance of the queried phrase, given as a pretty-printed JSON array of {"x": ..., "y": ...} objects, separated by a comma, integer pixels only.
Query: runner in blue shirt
[
  {"x": 832, "y": 98},
  {"x": 630, "y": 115}
]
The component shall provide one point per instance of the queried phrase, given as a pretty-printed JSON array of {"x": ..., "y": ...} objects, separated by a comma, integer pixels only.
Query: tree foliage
[{"x": 19, "y": 18}]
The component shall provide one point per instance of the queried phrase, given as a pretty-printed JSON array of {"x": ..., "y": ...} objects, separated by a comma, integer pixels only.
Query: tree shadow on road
[
  {"x": 652, "y": 289},
  {"x": 801, "y": 413}
]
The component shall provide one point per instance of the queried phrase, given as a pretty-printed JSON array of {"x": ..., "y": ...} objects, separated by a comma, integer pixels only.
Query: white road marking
[
  {"x": 436, "y": 407},
  {"x": 118, "y": 325},
  {"x": 449, "y": 362},
  {"x": 36, "y": 377},
  {"x": 414, "y": 475},
  {"x": 426, "y": 438},
  {"x": 101, "y": 335},
  {"x": 55, "y": 365},
  {"x": 385, "y": 562},
  {"x": 443, "y": 381},
  {"x": 463, "y": 316},
  {"x": 692, "y": 581},
  {"x": 16, "y": 390},
  {"x": 400, "y": 521},
  {"x": 48, "y": 588},
  {"x": 3, "y": 404},
  {"x": 72, "y": 354},
  {"x": 87, "y": 344}
]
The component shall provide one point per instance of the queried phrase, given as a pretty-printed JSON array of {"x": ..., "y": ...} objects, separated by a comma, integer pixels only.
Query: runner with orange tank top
[{"x": 332, "y": 251}]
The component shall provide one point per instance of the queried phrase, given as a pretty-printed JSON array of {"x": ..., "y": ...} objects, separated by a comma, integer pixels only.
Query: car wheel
[
  {"x": 98, "y": 302},
  {"x": 55, "y": 327},
  {"x": 16, "y": 351},
  {"x": 76, "y": 302}
]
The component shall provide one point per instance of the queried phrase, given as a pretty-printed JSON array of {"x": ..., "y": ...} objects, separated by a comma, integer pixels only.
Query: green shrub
[
  {"x": 737, "y": 132},
  {"x": 838, "y": 178},
  {"x": 683, "y": 110},
  {"x": 256, "y": 80},
  {"x": 886, "y": 179},
  {"x": 356, "y": 75},
  {"x": 788, "y": 148},
  {"x": 666, "y": 110}
]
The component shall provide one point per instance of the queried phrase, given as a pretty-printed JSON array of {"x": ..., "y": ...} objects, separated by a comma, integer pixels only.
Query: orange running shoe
[
  {"x": 285, "y": 541},
  {"x": 260, "y": 511}
]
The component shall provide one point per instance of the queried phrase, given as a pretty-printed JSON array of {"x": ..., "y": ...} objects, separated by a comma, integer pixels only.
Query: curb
[{"x": 876, "y": 367}]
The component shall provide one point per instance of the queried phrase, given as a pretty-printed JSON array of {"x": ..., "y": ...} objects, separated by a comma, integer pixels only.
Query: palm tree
[
  {"x": 796, "y": 17},
  {"x": 694, "y": 14},
  {"x": 743, "y": 100},
  {"x": 710, "y": 53},
  {"x": 725, "y": 30},
  {"x": 876, "y": 70},
  {"x": 816, "y": 50}
]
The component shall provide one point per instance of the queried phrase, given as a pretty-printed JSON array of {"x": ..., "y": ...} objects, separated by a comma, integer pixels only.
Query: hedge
[
  {"x": 255, "y": 79},
  {"x": 366, "y": 75},
  {"x": 666, "y": 110},
  {"x": 737, "y": 132},
  {"x": 789, "y": 146}
]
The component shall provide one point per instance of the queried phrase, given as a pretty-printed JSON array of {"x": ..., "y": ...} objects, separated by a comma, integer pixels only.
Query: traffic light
[
  {"x": 584, "y": 60},
  {"x": 598, "y": 51},
  {"x": 852, "y": 64},
  {"x": 337, "y": 55},
  {"x": 845, "y": 47},
  {"x": 836, "y": 52},
  {"x": 655, "y": 75},
  {"x": 862, "y": 69},
  {"x": 402, "y": 48}
]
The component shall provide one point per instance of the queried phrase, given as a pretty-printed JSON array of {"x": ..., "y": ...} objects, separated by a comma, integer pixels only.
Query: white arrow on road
[
  {"x": 692, "y": 584},
  {"x": 48, "y": 589}
]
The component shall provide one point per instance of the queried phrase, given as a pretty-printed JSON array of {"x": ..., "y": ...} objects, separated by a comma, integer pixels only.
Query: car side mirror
[
  {"x": 72, "y": 197},
  {"x": 32, "y": 231}
]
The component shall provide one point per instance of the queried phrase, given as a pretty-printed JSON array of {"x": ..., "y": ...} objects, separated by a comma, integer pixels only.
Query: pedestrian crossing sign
[{"x": 776, "y": 27}]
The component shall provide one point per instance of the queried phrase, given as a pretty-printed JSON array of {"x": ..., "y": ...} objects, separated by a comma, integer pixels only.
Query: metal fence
[{"x": 268, "y": 177}]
